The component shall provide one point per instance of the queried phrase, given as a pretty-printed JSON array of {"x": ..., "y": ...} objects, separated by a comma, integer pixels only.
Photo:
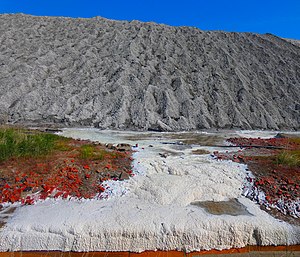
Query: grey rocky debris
[
  {"x": 293, "y": 41},
  {"x": 135, "y": 75}
]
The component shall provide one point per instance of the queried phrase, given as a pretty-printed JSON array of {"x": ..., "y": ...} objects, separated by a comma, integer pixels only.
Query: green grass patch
[
  {"x": 86, "y": 151},
  {"x": 289, "y": 158},
  {"x": 62, "y": 144},
  {"x": 91, "y": 152},
  {"x": 24, "y": 143}
]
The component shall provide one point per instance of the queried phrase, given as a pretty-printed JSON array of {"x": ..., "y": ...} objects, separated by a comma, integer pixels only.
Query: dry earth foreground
[{"x": 135, "y": 75}]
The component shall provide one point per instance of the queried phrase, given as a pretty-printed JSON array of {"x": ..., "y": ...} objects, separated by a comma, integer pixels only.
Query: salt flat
[{"x": 153, "y": 209}]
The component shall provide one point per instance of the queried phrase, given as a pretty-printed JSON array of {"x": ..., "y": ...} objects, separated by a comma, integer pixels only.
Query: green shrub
[
  {"x": 86, "y": 151},
  {"x": 289, "y": 158},
  {"x": 91, "y": 152}
]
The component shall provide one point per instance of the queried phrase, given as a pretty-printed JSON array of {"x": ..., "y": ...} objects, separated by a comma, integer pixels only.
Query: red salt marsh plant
[
  {"x": 276, "y": 167},
  {"x": 63, "y": 168}
]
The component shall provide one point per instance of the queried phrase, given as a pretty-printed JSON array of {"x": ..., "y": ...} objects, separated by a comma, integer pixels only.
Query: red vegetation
[
  {"x": 280, "y": 182},
  {"x": 273, "y": 143},
  {"x": 62, "y": 173}
]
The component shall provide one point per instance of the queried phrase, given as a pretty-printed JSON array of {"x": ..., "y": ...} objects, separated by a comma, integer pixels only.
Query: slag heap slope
[{"x": 135, "y": 75}]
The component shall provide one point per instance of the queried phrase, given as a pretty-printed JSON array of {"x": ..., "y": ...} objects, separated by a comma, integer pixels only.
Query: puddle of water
[
  {"x": 232, "y": 207},
  {"x": 200, "y": 139},
  {"x": 190, "y": 138},
  {"x": 177, "y": 147},
  {"x": 200, "y": 151}
]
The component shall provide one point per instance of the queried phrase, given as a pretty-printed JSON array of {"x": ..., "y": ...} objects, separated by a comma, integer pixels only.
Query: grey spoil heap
[{"x": 135, "y": 75}]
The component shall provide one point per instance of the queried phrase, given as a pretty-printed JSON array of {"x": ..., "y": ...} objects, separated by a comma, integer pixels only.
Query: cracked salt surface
[{"x": 152, "y": 210}]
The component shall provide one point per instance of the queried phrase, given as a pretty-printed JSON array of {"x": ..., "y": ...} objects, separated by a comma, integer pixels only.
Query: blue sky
[{"x": 281, "y": 18}]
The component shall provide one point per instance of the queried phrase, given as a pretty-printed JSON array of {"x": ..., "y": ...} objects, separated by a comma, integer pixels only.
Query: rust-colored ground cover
[
  {"x": 256, "y": 250},
  {"x": 75, "y": 168},
  {"x": 275, "y": 164}
]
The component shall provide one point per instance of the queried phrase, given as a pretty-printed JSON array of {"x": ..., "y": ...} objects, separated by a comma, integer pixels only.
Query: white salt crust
[{"x": 151, "y": 210}]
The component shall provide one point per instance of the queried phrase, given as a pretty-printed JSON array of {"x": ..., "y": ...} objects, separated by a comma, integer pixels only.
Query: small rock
[
  {"x": 53, "y": 130},
  {"x": 163, "y": 155},
  {"x": 280, "y": 135},
  {"x": 110, "y": 146},
  {"x": 124, "y": 175},
  {"x": 123, "y": 147}
]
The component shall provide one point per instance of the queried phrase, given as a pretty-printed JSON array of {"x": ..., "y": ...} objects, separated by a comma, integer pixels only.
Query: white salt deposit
[
  {"x": 262, "y": 133},
  {"x": 151, "y": 210}
]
